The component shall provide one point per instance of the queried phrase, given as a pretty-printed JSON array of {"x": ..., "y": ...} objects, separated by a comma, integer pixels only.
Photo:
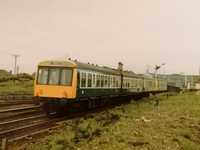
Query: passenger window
[
  {"x": 83, "y": 79},
  {"x": 98, "y": 81},
  {"x": 102, "y": 81},
  {"x": 106, "y": 81},
  {"x": 114, "y": 82},
  {"x": 139, "y": 83},
  {"x": 136, "y": 83},
  {"x": 124, "y": 83},
  {"x": 66, "y": 77},
  {"x": 94, "y": 80},
  {"x": 111, "y": 82},
  {"x": 54, "y": 75},
  {"x": 89, "y": 80},
  {"x": 119, "y": 82}
]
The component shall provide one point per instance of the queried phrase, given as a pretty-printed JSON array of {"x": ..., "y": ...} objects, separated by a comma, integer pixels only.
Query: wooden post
[{"x": 4, "y": 144}]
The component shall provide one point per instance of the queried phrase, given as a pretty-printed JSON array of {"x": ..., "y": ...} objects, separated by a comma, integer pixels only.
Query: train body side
[
  {"x": 93, "y": 84},
  {"x": 89, "y": 81}
]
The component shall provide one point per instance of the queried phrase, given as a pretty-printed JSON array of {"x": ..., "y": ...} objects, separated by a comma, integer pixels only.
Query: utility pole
[{"x": 15, "y": 56}]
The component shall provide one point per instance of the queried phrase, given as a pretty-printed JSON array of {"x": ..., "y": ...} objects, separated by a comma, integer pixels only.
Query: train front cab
[{"x": 56, "y": 84}]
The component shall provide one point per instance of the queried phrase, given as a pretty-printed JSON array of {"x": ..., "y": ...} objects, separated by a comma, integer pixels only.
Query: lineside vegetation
[
  {"x": 15, "y": 84},
  {"x": 172, "y": 124},
  {"x": 16, "y": 87}
]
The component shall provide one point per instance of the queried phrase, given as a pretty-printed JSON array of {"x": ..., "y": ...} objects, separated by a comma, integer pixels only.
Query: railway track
[
  {"x": 17, "y": 111},
  {"x": 11, "y": 96},
  {"x": 16, "y": 129},
  {"x": 16, "y": 102},
  {"x": 17, "y": 119},
  {"x": 21, "y": 127},
  {"x": 34, "y": 126},
  {"x": 24, "y": 128},
  {"x": 26, "y": 122},
  {"x": 19, "y": 99},
  {"x": 18, "y": 108}
]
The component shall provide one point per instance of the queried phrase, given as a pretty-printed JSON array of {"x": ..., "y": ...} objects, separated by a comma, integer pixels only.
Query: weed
[{"x": 87, "y": 129}]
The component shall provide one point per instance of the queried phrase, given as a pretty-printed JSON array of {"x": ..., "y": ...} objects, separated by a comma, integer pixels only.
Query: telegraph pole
[{"x": 15, "y": 56}]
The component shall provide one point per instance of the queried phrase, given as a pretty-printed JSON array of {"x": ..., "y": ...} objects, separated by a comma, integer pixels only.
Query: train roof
[
  {"x": 86, "y": 66},
  {"x": 55, "y": 63}
]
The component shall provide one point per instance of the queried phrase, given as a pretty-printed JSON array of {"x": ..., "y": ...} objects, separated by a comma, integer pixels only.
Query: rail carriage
[
  {"x": 132, "y": 83},
  {"x": 94, "y": 81},
  {"x": 62, "y": 82}
]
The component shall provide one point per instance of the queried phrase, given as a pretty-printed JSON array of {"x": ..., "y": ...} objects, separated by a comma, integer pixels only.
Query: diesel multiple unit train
[{"x": 63, "y": 82}]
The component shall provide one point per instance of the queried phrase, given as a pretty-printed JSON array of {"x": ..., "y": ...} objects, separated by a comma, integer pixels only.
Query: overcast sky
[{"x": 139, "y": 33}]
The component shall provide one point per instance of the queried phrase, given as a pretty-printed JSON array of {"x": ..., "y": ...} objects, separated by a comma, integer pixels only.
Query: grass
[
  {"x": 17, "y": 87},
  {"x": 174, "y": 125}
]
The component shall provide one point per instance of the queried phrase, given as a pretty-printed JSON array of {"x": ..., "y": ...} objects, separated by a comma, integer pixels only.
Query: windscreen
[
  {"x": 55, "y": 76},
  {"x": 66, "y": 77}
]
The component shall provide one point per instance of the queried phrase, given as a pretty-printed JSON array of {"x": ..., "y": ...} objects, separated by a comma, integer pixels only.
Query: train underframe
[{"x": 55, "y": 106}]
